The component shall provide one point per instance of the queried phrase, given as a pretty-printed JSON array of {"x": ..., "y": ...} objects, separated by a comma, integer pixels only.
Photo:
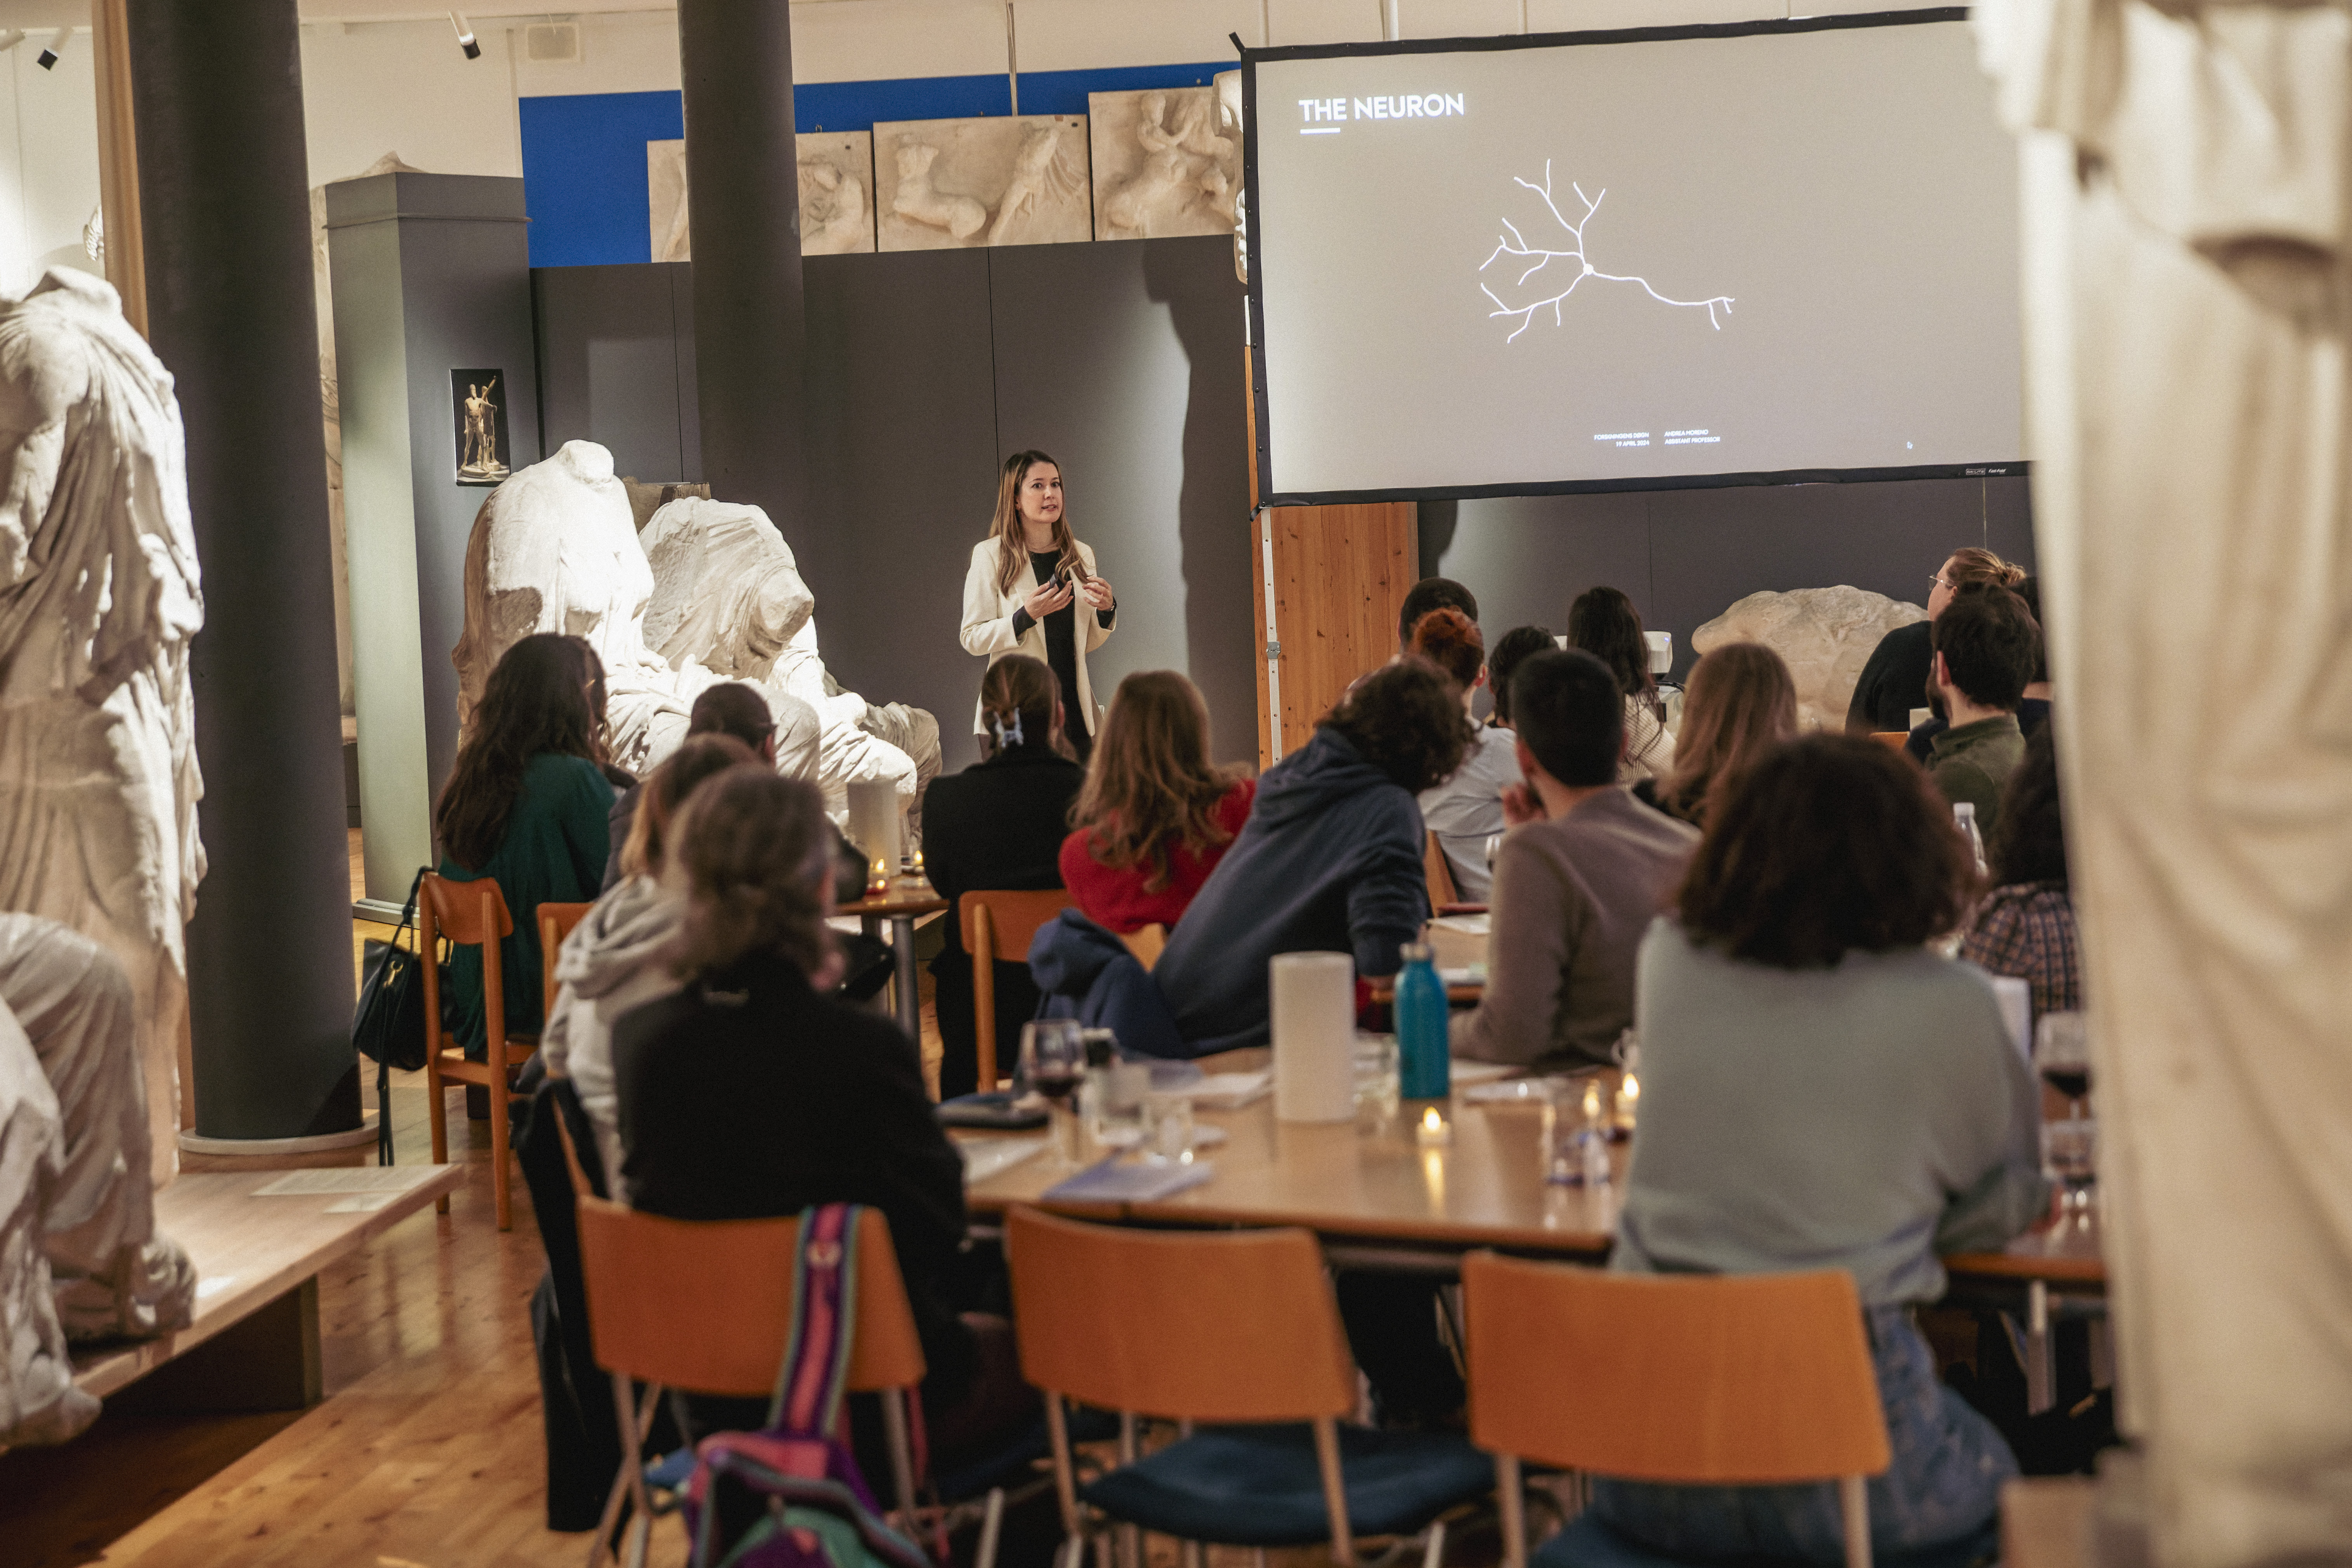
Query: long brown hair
[
  {"x": 1604, "y": 624},
  {"x": 1011, "y": 544},
  {"x": 533, "y": 703},
  {"x": 1150, "y": 780},
  {"x": 753, "y": 858},
  {"x": 666, "y": 790},
  {"x": 1018, "y": 698},
  {"x": 1739, "y": 704}
]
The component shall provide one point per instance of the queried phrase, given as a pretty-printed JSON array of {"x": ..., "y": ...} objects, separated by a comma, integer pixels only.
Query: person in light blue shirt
[{"x": 1820, "y": 1090}]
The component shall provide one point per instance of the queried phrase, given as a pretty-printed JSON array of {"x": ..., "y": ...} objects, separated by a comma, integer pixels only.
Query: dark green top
[
  {"x": 1973, "y": 761},
  {"x": 552, "y": 853}
]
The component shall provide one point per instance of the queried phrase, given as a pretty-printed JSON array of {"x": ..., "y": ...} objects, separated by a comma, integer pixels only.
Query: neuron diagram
[{"x": 1514, "y": 245}]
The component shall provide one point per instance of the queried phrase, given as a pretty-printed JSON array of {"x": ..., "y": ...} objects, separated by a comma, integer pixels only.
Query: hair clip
[{"x": 1012, "y": 737}]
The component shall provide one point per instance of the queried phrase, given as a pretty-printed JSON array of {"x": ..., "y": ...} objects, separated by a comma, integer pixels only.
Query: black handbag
[{"x": 388, "y": 1025}]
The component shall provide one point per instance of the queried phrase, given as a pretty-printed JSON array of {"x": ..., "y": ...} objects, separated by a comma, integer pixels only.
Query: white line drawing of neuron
[{"x": 1515, "y": 245}]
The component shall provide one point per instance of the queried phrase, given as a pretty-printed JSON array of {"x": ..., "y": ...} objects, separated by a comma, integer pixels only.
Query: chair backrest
[
  {"x": 555, "y": 923},
  {"x": 1722, "y": 1379},
  {"x": 1893, "y": 740},
  {"x": 1147, "y": 944},
  {"x": 1012, "y": 916},
  {"x": 1440, "y": 872},
  {"x": 707, "y": 1305},
  {"x": 1209, "y": 1326},
  {"x": 471, "y": 915}
]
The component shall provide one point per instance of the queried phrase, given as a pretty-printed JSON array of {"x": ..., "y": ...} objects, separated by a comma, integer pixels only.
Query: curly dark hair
[
  {"x": 534, "y": 702},
  {"x": 1406, "y": 720},
  {"x": 2029, "y": 838},
  {"x": 1505, "y": 656},
  {"x": 1830, "y": 843},
  {"x": 1431, "y": 594},
  {"x": 753, "y": 854},
  {"x": 1604, "y": 624}
]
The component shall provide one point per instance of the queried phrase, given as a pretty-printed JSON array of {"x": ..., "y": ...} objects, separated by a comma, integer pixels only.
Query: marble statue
[
  {"x": 665, "y": 203},
  {"x": 728, "y": 598},
  {"x": 1165, "y": 162},
  {"x": 1001, "y": 180},
  {"x": 1230, "y": 119},
  {"x": 98, "y": 599},
  {"x": 837, "y": 179},
  {"x": 1824, "y": 636},
  {"x": 2187, "y": 246},
  {"x": 80, "y": 1258},
  {"x": 555, "y": 549}
]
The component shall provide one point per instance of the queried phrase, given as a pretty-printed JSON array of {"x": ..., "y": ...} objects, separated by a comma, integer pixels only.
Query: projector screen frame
[{"x": 1255, "y": 302}]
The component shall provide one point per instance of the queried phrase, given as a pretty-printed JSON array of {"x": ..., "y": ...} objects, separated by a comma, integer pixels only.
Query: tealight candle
[
  {"x": 1432, "y": 1132},
  {"x": 877, "y": 877},
  {"x": 1629, "y": 1100}
]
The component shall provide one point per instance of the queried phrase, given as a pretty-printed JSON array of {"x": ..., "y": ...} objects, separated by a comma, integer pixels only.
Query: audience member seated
[
  {"x": 997, "y": 824},
  {"x": 1466, "y": 809},
  {"x": 730, "y": 708},
  {"x": 80, "y": 1258},
  {"x": 749, "y": 1093},
  {"x": 2025, "y": 926},
  {"x": 1820, "y": 1091},
  {"x": 2033, "y": 709},
  {"x": 1505, "y": 657},
  {"x": 527, "y": 803},
  {"x": 1739, "y": 704},
  {"x": 1986, "y": 646},
  {"x": 1331, "y": 859},
  {"x": 1604, "y": 624},
  {"x": 1155, "y": 815},
  {"x": 621, "y": 953},
  {"x": 1582, "y": 871},
  {"x": 1431, "y": 594},
  {"x": 1894, "y": 679}
]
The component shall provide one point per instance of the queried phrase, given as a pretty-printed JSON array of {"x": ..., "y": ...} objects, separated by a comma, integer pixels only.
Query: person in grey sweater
[
  {"x": 1582, "y": 871},
  {"x": 1820, "y": 1091}
]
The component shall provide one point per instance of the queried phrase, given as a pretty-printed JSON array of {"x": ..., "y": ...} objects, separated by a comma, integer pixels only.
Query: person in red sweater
[{"x": 1156, "y": 816}]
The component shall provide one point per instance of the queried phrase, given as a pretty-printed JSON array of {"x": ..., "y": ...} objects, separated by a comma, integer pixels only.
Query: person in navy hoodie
[{"x": 1331, "y": 859}]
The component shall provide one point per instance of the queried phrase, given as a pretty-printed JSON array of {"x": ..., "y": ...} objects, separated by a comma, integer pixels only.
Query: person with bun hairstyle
[
  {"x": 1894, "y": 682},
  {"x": 1604, "y": 624},
  {"x": 1740, "y": 703},
  {"x": 1467, "y": 808},
  {"x": 1032, "y": 588},
  {"x": 997, "y": 824},
  {"x": 1155, "y": 815}
]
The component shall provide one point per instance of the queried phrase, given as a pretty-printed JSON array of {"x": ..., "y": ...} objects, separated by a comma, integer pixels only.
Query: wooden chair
[
  {"x": 1737, "y": 1380},
  {"x": 1440, "y": 871},
  {"x": 555, "y": 923},
  {"x": 1893, "y": 740},
  {"x": 1145, "y": 1322},
  {"x": 707, "y": 1306},
  {"x": 1147, "y": 944},
  {"x": 1000, "y": 924},
  {"x": 469, "y": 914}
]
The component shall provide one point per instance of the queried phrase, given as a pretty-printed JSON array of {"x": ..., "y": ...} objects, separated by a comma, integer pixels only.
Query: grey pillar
[
  {"x": 223, "y": 188},
  {"x": 743, "y": 177}
]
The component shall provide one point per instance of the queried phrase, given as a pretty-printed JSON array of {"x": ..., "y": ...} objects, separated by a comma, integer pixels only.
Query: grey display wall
[{"x": 1123, "y": 360}]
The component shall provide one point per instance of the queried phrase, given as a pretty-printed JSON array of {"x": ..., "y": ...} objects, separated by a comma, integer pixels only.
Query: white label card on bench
[{"x": 393, "y": 1179}]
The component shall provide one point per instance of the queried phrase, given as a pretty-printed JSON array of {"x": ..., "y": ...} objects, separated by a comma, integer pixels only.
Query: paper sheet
[{"x": 392, "y": 1180}]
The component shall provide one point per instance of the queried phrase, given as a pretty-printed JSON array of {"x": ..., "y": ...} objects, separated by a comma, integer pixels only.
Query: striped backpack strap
[{"x": 816, "y": 1368}]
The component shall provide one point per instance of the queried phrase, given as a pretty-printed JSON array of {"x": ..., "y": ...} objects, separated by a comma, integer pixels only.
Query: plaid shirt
[{"x": 2027, "y": 930}]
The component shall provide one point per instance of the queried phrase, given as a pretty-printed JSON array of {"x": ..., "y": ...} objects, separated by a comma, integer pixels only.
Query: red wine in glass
[
  {"x": 2071, "y": 1081},
  {"x": 1053, "y": 1083}
]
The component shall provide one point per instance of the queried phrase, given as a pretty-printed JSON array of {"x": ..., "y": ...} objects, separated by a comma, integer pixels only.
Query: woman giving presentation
[{"x": 1033, "y": 589}]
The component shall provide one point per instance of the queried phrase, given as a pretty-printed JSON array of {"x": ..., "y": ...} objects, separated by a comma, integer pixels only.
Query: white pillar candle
[
  {"x": 1314, "y": 1011},
  {"x": 873, "y": 821}
]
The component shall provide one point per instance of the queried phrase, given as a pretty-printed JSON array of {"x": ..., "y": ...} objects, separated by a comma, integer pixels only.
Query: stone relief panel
[
  {"x": 1164, "y": 162},
  {"x": 665, "y": 200},
  {"x": 836, "y": 189},
  {"x": 944, "y": 184},
  {"x": 1824, "y": 634}
]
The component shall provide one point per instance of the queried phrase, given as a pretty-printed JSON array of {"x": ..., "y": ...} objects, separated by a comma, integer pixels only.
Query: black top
[
  {"x": 998, "y": 824},
  {"x": 1061, "y": 635},
  {"x": 747, "y": 1096},
  {"x": 1894, "y": 682}
]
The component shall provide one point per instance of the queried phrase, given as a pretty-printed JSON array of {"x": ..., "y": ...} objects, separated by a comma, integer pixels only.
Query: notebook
[{"x": 1111, "y": 1181}]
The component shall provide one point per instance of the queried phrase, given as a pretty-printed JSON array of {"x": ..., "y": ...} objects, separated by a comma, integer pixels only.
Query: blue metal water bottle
[{"x": 1424, "y": 1065}]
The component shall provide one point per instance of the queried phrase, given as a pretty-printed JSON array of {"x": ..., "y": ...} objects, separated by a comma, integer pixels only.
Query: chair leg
[
  {"x": 1436, "y": 1555},
  {"x": 501, "y": 1194},
  {"x": 992, "y": 1522},
  {"x": 437, "y": 1114},
  {"x": 1131, "y": 1537},
  {"x": 1193, "y": 1556},
  {"x": 902, "y": 1459},
  {"x": 1335, "y": 1491},
  {"x": 1512, "y": 1503},
  {"x": 1854, "y": 1502}
]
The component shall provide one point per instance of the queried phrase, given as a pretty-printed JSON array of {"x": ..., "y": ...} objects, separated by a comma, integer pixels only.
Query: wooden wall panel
[{"x": 1340, "y": 573}]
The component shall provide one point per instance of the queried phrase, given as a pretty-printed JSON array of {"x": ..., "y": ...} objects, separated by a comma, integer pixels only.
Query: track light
[
  {"x": 48, "y": 59},
  {"x": 465, "y": 36}
]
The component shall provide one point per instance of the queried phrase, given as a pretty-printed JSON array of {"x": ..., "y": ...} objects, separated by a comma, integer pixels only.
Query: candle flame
[
  {"x": 1633, "y": 1089},
  {"x": 1431, "y": 1121}
]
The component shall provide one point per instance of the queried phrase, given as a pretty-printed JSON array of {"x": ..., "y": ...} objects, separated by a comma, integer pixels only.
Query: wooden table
[
  {"x": 906, "y": 898},
  {"x": 2053, "y": 1271}
]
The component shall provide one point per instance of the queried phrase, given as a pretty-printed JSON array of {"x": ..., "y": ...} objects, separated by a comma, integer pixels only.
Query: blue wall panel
[{"x": 1065, "y": 92}]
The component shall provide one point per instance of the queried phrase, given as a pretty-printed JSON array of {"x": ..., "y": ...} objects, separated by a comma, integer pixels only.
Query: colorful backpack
[{"x": 813, "y": 1510}]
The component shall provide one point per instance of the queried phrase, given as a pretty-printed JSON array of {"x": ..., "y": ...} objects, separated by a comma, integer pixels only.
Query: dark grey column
[
  {"x": 223, "y": 182},
  {"x": 742, "y": 179}
]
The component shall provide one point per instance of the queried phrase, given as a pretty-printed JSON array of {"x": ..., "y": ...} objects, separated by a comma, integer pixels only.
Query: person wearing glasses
[{"x": 1894, "y": 682}]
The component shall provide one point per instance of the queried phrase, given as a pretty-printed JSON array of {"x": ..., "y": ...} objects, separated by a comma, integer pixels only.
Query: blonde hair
[
  {"x": 667, "y": 788},
  {"x": 1150, "y": 780},
  {"x": 1018, "y": 698},
  {"x": 1741, "y": 703},
  {"x": 1971, "y": 565},
  {"x": 753, "y": 859},
  {"x": 1012, "y": 543}
]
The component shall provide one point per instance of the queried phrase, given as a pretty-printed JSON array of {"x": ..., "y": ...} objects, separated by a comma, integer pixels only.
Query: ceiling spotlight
[
  {"x": 465, "y": 36},
  {"x": 47, "y": 58}
]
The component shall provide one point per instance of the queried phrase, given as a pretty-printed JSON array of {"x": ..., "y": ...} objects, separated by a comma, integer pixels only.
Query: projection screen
[{"x": 1763, "y": 253}]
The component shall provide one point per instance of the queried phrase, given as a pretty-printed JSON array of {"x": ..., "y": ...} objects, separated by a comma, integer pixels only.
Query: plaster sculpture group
[
  {"x": 1824, "y": 636},
  {"x": 940, "y": 185},
  {"x": 98, "y": 600},
  {"x": 836, "y": 185},
  {"x": 1165, "y": 162},
  {"x": 710, "y": 594},
  {"x": 2188, "y": 286}
]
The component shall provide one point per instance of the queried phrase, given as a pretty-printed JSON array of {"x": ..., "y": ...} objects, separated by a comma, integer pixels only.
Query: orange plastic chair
[
  {"x": 707, "y": 1306},
  {"x": 1440, "y": 872},
  {"x": 1147, "y": 944},
  {"x": 469, "y": 914},
  {"x": 1726, "y": 1380},
  {"x": 1000, "y": 924},
  {"x": 1893, "y": 740},
  {"x": 555, "y": 923}
]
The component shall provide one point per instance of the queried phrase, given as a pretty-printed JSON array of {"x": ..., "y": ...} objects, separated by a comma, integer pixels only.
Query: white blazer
[{"x": 988, "y": 625}]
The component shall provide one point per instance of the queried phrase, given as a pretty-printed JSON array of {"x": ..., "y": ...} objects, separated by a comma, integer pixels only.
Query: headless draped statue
[{"x": 98, "y": 598}]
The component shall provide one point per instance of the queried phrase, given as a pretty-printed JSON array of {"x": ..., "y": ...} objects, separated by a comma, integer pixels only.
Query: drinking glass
[
  {"x": 1494, "y": 848},
  {"x": 1376, "y": 1081},
  {"x": 2070, "y": 1148},
  {"x": 1168, "y": 1127},
  {"x": 1574, "y": 1139},
  {"x": 1054, "y": 1063}
]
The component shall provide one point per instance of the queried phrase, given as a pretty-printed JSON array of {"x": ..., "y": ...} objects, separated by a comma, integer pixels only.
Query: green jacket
[{"x": 1973, "y": 761}]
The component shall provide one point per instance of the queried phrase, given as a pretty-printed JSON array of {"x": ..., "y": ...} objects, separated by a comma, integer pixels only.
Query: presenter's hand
[
  {"x": 1521, "y": 806},
  {"x": 1099, "y": 593},
  {"x": 1046, "y": 598}
]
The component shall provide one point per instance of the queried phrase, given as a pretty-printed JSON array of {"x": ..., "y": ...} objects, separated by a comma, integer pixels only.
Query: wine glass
[
  {"x": 2062, "y": 1055},
  {"x": 1054, "y": 1063}
]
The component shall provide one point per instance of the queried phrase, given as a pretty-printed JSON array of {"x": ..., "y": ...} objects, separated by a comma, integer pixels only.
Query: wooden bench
[{"x": 254, "y": 1343}]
